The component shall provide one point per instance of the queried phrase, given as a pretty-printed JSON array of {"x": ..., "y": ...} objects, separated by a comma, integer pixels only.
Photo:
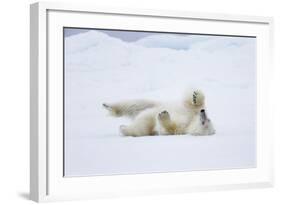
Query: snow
[{"x": 100, "y": 68}]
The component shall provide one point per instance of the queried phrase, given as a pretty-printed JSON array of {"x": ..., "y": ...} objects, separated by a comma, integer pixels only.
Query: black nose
[{"x": 202, "y": 110}]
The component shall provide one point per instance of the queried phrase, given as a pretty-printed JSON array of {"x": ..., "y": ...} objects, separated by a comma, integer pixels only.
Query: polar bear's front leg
[
  {"x": 195, "y": 99},
  {"x": 167, "y": 126}
]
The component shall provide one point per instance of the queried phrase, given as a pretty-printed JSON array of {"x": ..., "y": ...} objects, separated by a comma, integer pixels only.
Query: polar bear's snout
[
  {"x": 201, "y": 125},
  {"x": 203, "y": 116}
]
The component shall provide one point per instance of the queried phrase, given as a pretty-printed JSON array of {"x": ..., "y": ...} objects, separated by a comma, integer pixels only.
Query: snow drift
[{"x": 100, "y": 68}]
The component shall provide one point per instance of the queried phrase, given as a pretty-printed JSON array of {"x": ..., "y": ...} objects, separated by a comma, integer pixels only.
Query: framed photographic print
[{"x": 131, "y": 102}]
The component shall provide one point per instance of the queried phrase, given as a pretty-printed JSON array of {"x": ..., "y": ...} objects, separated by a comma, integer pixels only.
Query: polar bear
[{"x": 156, "y": 118}]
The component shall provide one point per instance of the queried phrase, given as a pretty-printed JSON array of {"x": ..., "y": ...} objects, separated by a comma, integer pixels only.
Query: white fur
[{"x": 153, "y": 118}]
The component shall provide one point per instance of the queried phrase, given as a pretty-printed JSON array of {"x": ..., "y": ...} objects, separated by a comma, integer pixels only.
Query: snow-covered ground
[{"x": 101, "y": 68}]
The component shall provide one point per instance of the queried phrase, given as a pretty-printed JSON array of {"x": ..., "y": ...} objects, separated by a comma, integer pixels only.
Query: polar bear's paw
[
  {"x": 164, "y": 116},
  {"x": 124, "y": 130},
  {"x": 113, "y": 109},
  {"x": 107, "y": 106},
  {"x": 195, "y": 98}
]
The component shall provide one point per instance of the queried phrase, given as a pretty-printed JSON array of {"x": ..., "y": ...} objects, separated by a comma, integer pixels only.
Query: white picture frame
[{"x": 46, "y": 157}]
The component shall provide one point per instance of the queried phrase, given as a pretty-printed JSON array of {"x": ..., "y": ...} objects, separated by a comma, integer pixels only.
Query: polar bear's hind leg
[
  {"x": 129, "y": 108},
  {"x": 142, "y": 126}
]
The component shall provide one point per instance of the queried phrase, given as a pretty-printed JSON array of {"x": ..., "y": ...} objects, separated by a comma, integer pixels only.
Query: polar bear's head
[{"x": 201, "y": 124}]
